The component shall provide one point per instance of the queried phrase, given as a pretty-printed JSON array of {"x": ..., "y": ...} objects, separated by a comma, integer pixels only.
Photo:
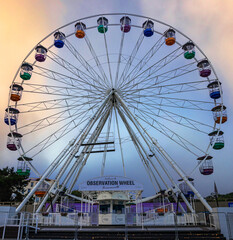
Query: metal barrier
[
  {"x": 224, "y": 222},
  {"x": 150, "y": 218},
  {"x": 130, "y": 219},
  {"x": 22, "y": 220},
  {"x": 230, "y": 224}
]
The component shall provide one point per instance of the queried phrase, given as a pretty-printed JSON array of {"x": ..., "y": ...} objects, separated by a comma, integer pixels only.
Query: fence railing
[
  {"x": 37, "y": 220},
  {"x": 128, "y": 219},
  {"x": 224, "y": 221},
  {"x": 21, "y": 221},
  {"x": 28, "y": 220}
]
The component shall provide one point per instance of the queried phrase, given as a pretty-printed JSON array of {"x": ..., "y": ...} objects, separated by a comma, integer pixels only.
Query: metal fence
[
  {"x": 220, "y": 221},
  {"x": 21, "y": 221},
  {"x": 224, "y": 221},
  {"x": 128, "y": 219},
  {"x": 229, "y": 220}
]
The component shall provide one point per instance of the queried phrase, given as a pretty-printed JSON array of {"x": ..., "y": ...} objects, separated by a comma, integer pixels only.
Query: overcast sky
[{"x": 209, "y": 23}]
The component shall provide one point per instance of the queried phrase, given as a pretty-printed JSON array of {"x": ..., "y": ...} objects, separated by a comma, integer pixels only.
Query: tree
[{"x": 11, "y": 185}]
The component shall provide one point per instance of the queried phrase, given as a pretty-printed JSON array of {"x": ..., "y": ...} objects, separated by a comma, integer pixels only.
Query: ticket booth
[{"x": 112, "y": 195}]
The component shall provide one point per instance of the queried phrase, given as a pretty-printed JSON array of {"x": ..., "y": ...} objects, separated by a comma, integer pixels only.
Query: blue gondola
[
  {"x": 12, "y": 115},
  {"x": 148, "y": 28},
  {"x": 59, "y": 39},
  {"x": 214, "y": 89}
]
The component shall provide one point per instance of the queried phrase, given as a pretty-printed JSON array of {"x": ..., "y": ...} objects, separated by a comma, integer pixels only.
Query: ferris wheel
[{"x": 110, "y": 84}]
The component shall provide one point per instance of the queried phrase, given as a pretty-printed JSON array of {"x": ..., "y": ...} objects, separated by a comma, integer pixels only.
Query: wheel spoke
[
  {"x": 53, "y": 104},
  {"x": 173, "y": 88},
  {"x": 131, "y": 58},
  {"x": 157, "y": 100},
  {"x": 58, "y": 90},
  {"x": 102, "y": 72},
  {"x": 145, "y": 59},
  {"x": 71, "y": 68},
  {"x": 169, "y": 133},
  {"x": 56, "y": 136},
  {"x": 108, "y": 60},
  {"x": 84, "y": 63},
  {"x": 65, "y": 79},
  {"x": 165, "y": 77},
  {"x": 77, "y": 111},
  {"x": 172, "y": 117},
  {"x": 150, "y": 71},
  {"x": 119, "y": 59}
]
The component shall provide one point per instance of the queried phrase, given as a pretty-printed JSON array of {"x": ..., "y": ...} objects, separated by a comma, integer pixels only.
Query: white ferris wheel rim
[{"x": 13, "y": 128}]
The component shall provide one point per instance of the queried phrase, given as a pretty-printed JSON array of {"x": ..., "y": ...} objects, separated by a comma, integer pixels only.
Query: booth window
[
  {"x": 118, "y": 208},
  {"x": 104, "y": 208}
]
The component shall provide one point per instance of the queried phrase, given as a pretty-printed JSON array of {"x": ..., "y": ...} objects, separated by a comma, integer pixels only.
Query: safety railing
[
  {"x": 64, "y": 208},
  {"x": 224, "y": 222},
  {"x": 20, "y": 221},
  {"x": 149, "y": 218},
  {"x": 129, "y": 219},
  {"x": 24, "y": 221}
]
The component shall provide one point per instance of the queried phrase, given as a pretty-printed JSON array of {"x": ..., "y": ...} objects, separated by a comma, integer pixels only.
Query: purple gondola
[
  {"x": 41, "y": 53},
  {"x": 14, "y": 141},
  {"x": 125, "y": 24}
]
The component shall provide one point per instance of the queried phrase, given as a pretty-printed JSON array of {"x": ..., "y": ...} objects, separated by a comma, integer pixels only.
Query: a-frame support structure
[{"x": 73, "y": 158}]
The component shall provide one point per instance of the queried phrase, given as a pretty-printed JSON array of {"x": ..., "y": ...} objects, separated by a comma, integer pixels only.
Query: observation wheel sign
[{"x": 110, "y": 184}]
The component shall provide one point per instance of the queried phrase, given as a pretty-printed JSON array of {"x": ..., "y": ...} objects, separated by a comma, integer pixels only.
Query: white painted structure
[{"x": 135, "y": 95}]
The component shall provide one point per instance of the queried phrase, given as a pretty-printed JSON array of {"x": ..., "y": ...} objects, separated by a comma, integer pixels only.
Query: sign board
[
  {"x": 110, "y": 183},
  {"x": 230, "y": 204}
]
